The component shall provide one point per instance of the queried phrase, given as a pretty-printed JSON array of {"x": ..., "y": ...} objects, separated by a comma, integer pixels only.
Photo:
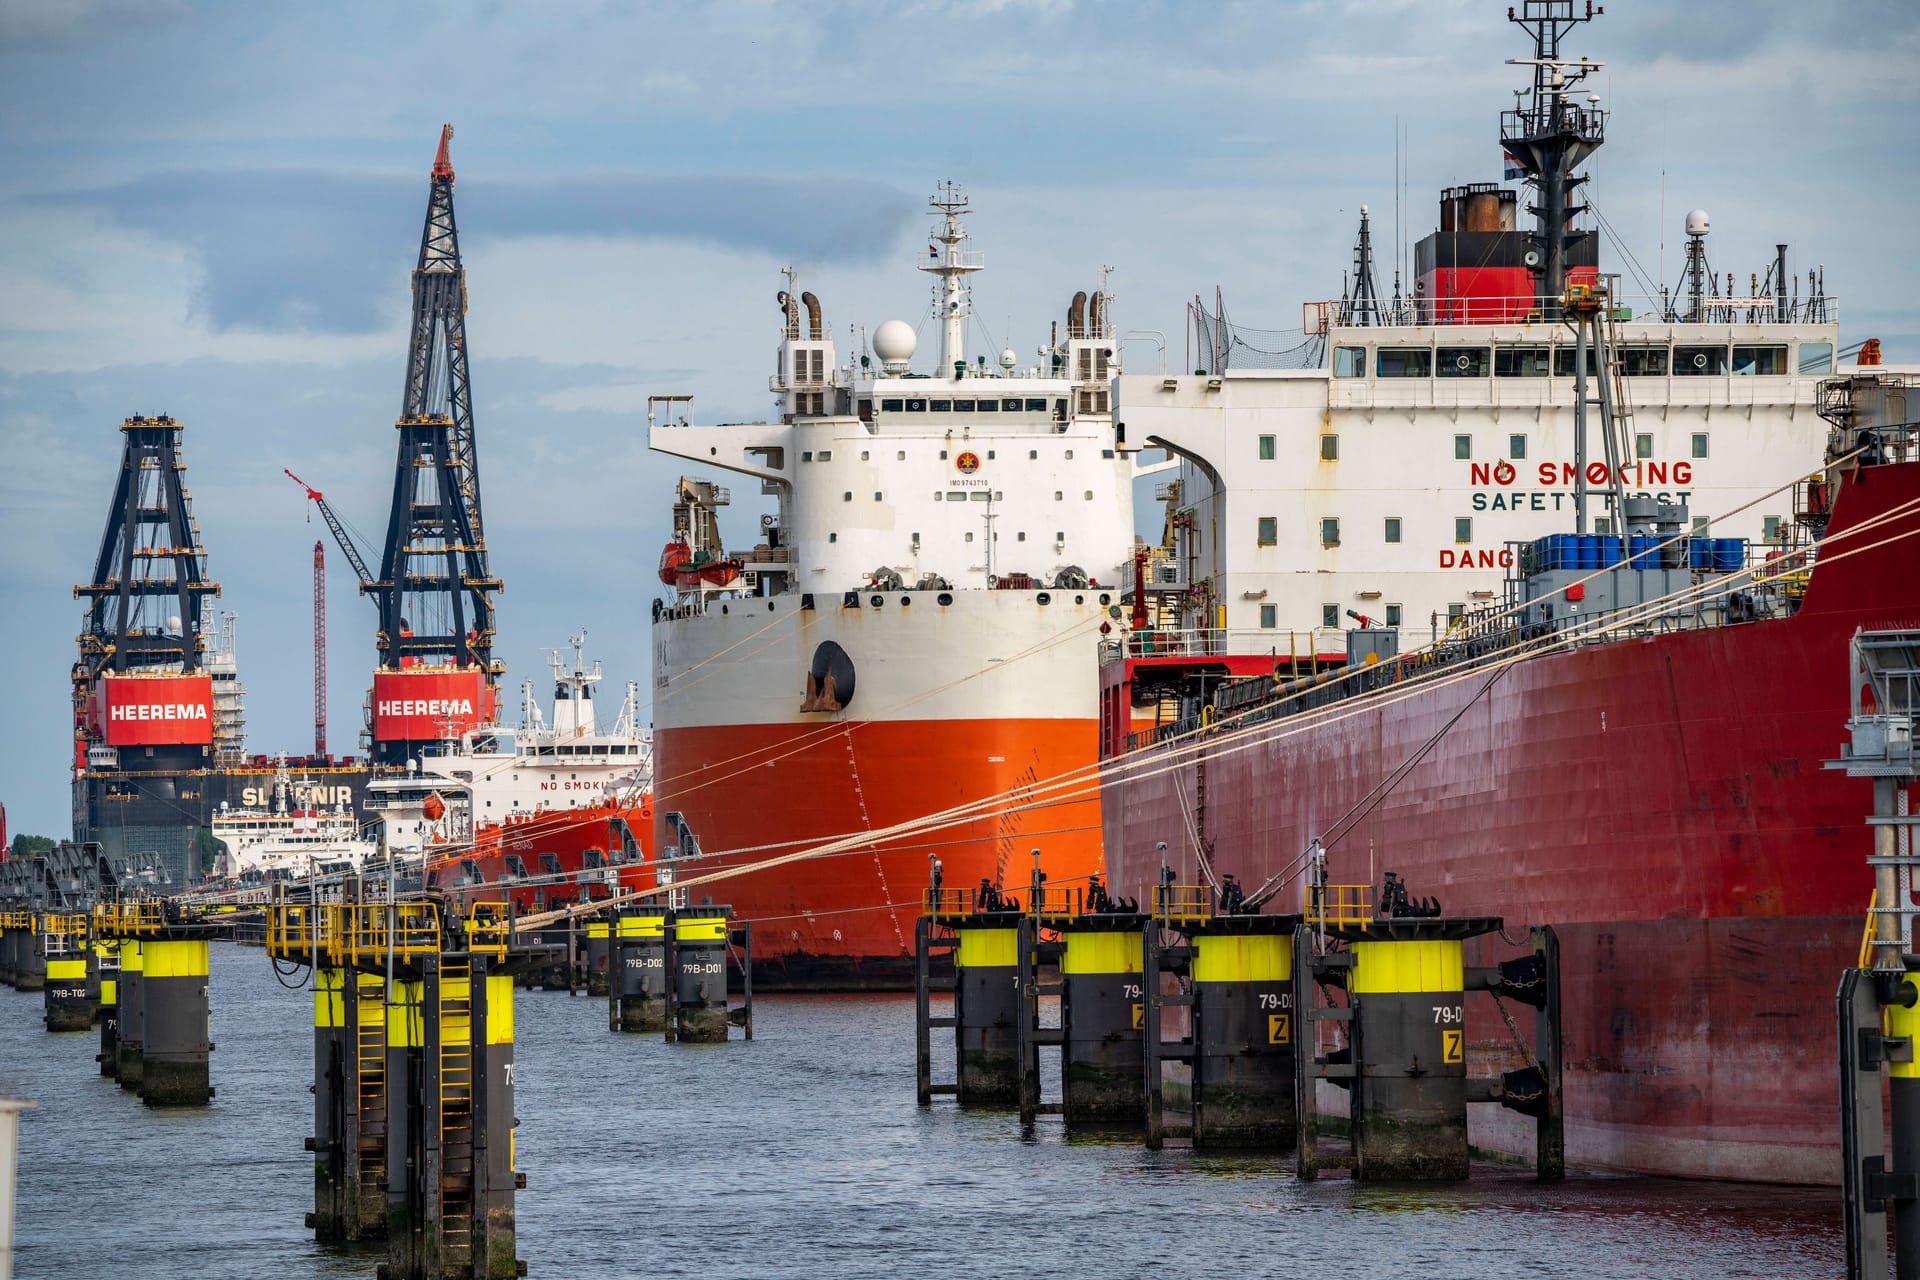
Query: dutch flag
[{"x": 1514, "y": 168}]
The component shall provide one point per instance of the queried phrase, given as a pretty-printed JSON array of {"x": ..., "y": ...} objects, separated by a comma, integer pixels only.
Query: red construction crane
[
  {"x": 351, "y": 552},
  {"x": 319, "y": 648}
]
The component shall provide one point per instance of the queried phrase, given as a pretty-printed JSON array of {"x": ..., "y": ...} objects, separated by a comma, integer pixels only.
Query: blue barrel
[
  {"x": 1731, "y": 555},
  {"x": 1589, "y": 551},
  {"x": 1609, "y": 551},
  {"x": 1640, "y": 549},
  {"x": 1700, "y": 553}
]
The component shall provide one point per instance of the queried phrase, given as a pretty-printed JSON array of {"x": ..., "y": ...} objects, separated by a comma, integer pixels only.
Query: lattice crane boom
[
  {"x": 347, "y": 549},
  {"x": 319, "y": 648}
]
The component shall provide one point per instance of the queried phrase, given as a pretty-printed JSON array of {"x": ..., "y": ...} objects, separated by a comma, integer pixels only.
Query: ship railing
[
  {"x": 128, "y": 919},
  {"x": 304, "y": 932},
  {"x": 1625, "y": 308},
  {"x": 1182, "y": 903},
  {"x": 489, "y": 928},
  {"x": 401, "y": 929},
  {"x": 941, "y": 904},
  {"x": 1336, "y": 905},
  {"x": 1054, "y": 900}
]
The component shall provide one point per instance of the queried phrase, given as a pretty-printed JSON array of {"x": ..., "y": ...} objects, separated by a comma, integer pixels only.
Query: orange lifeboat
[
  {"x": 672, "y": 556},
  {"x": 714, "y": 572},
  {"x": 434, "y": 807}
]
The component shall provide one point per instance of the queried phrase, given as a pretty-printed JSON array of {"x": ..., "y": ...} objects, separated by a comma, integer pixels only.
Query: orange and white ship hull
[{"x": 963, "y": 707}]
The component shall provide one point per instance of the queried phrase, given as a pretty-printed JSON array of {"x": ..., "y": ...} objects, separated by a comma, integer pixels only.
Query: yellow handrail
[
  {"x": 1866, "y": 936},
  {"x": 1182, "y": 902},
  {"x": 1337, "y": 904}
]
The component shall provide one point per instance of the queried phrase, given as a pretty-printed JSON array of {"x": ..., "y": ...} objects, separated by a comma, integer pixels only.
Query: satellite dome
[
  {"x": 894, "y": 342},
  {"x": 1008, "y": 359},
  {"x": 1697, "y": 223}
]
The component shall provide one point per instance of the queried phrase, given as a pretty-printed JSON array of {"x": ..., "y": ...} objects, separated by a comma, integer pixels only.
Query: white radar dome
[
  {"x": 894, "y": 342},
  {"x": 1008, "y": 359},
  {"x": 1697, "y": 223}
]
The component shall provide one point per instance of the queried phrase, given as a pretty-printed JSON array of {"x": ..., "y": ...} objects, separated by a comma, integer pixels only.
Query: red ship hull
[
  {"x": 563, "y": 856},
  {"x": 1662, "y": 803},
  {"x": 845, "y": 921}
]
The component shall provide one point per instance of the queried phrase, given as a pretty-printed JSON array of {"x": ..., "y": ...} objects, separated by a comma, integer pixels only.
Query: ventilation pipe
[
  {"x": 813, "y": 315},
  {"x": 1096, "y": 316},
  {"x": 1077, "y": 316},
  {"x": 791, "y": 310}
]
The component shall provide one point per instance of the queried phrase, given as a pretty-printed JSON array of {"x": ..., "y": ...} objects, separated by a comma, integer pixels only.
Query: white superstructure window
[
  {"x": 1463, "y": 448},
  {"x": 1463, "y": 528},
  {"x": 1404, "y": 362},
  {"x": 1393, "y": 615},
  {"x": 1329, "y": 448},
  {"x": 1349, "y": 362},
  {"x": 1393, "y": 529},
  {"x": 1699, "y": 444},
  {"x": 1643, "y": 445},
  {"x": 1329, "y": 615},
  {"x": 1269, "y": 615},
  {"x": 1516, "y": 447},
  {"x": 1269, "y": 531},
  {"x": 1266, "y": 448},
  {"x": 1330, "y": 532}
]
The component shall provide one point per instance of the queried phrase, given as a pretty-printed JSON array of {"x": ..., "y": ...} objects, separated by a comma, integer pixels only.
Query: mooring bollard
[
  {"x": 637, "y": 999},
  {"x": 69, "y": 1001}
]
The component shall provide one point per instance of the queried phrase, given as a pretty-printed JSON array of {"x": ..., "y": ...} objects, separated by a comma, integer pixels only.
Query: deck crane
[{"x": 347, "y": 548}]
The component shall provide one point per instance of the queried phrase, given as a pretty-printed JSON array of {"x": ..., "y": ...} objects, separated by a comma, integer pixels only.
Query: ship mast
[
  {"x": 1551, "y": 135},
  {"x": 952, "y": 264}
]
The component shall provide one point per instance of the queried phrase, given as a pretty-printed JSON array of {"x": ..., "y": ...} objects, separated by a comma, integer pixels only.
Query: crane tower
[{"x": 436, "y": 676}]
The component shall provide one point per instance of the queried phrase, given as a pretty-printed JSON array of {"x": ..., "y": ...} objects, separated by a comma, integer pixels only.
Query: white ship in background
[
  {"x": 292, "y": 838},
  {"x": 916, "y": 629}
]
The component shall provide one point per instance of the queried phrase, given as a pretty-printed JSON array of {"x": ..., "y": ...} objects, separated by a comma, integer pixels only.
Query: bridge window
[
  {"x": 1010, "y": 406},
  {"x": 1037, "y": 405},
  {"x": 893, "y": 406},
  {"x": 1762, "y": 362},
  {"x": 1463, "y": 362},
  {"x": 916, "y": 406},
  {"x": 1563, "y": 362},
  {"x": 939, "y": 406},
  {"x": 986, "y": 406},
  {"x": 1699, "y": 362},
  {"x": 1520, "y": 362},
  {"x": 1816, "y": 357},
  {"x": 1349, "y": 362},
  {"x": 1644, "y": 362},
  {"x": 961, "y": 406},
  {"x": 1269, "y": 531},
  {"x": 1404, "y": 362}
]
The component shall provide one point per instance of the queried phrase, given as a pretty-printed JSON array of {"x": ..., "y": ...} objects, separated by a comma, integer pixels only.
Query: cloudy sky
[{"x": 209, "y": 210}]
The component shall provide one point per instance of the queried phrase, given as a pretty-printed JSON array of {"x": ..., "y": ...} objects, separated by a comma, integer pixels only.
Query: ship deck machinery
[{"x": 913, "y": 634}]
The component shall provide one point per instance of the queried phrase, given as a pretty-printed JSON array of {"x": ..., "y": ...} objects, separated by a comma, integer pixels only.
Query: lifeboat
[
  {"x": 672, "y": 556},
  {"x": 717, "y": 573}
]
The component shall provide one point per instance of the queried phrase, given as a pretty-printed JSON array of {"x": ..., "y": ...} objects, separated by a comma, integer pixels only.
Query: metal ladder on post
[
  {"x": 455, "y": 1083},
  {"x": 1310, "y": 1065},
  {"x": 1033, "y": 1036},
  {"x": 930, "y": 942},
  {"x": 1176, "y": 959},
  {"x": 370, "y": 1084}
]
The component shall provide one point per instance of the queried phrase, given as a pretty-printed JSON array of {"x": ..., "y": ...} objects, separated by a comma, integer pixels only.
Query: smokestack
[
  {"x": 813, "y": 315},
  {"x": 1095, "y": 315},
  {"x": 791, "y": 310},
  {"x": 1077, "y": 316}
]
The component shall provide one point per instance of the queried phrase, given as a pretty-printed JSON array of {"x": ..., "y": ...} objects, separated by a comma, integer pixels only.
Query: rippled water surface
[{"x": 799, "y": 1154}]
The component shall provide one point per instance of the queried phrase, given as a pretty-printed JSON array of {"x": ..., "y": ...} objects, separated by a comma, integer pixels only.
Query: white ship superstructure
[
  {"x": 290, "y": 839},
  {"x": 917, "y": 624},
  {"x": 1391, "y": 481}
]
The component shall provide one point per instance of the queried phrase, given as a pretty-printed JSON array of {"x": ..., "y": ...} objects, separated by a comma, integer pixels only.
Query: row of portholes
[{"x": 944, "y": 598}]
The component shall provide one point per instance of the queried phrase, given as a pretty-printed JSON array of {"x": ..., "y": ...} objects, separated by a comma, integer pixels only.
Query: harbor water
[{"x": 800, "y": 1153}]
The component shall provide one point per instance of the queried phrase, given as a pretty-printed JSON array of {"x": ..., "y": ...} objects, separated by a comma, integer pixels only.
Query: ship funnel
[
  {"x": 1096, "y": 315},
  {"x": 790, "y": 308},
  {"x": 813, "y": 315},
  {"x": 1077, "y": 316}
]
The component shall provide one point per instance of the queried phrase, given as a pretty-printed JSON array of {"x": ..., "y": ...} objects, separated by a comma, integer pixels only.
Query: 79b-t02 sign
[
  {"x": 137, "y": 711},
  {"x": 424, "y": 706}
]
